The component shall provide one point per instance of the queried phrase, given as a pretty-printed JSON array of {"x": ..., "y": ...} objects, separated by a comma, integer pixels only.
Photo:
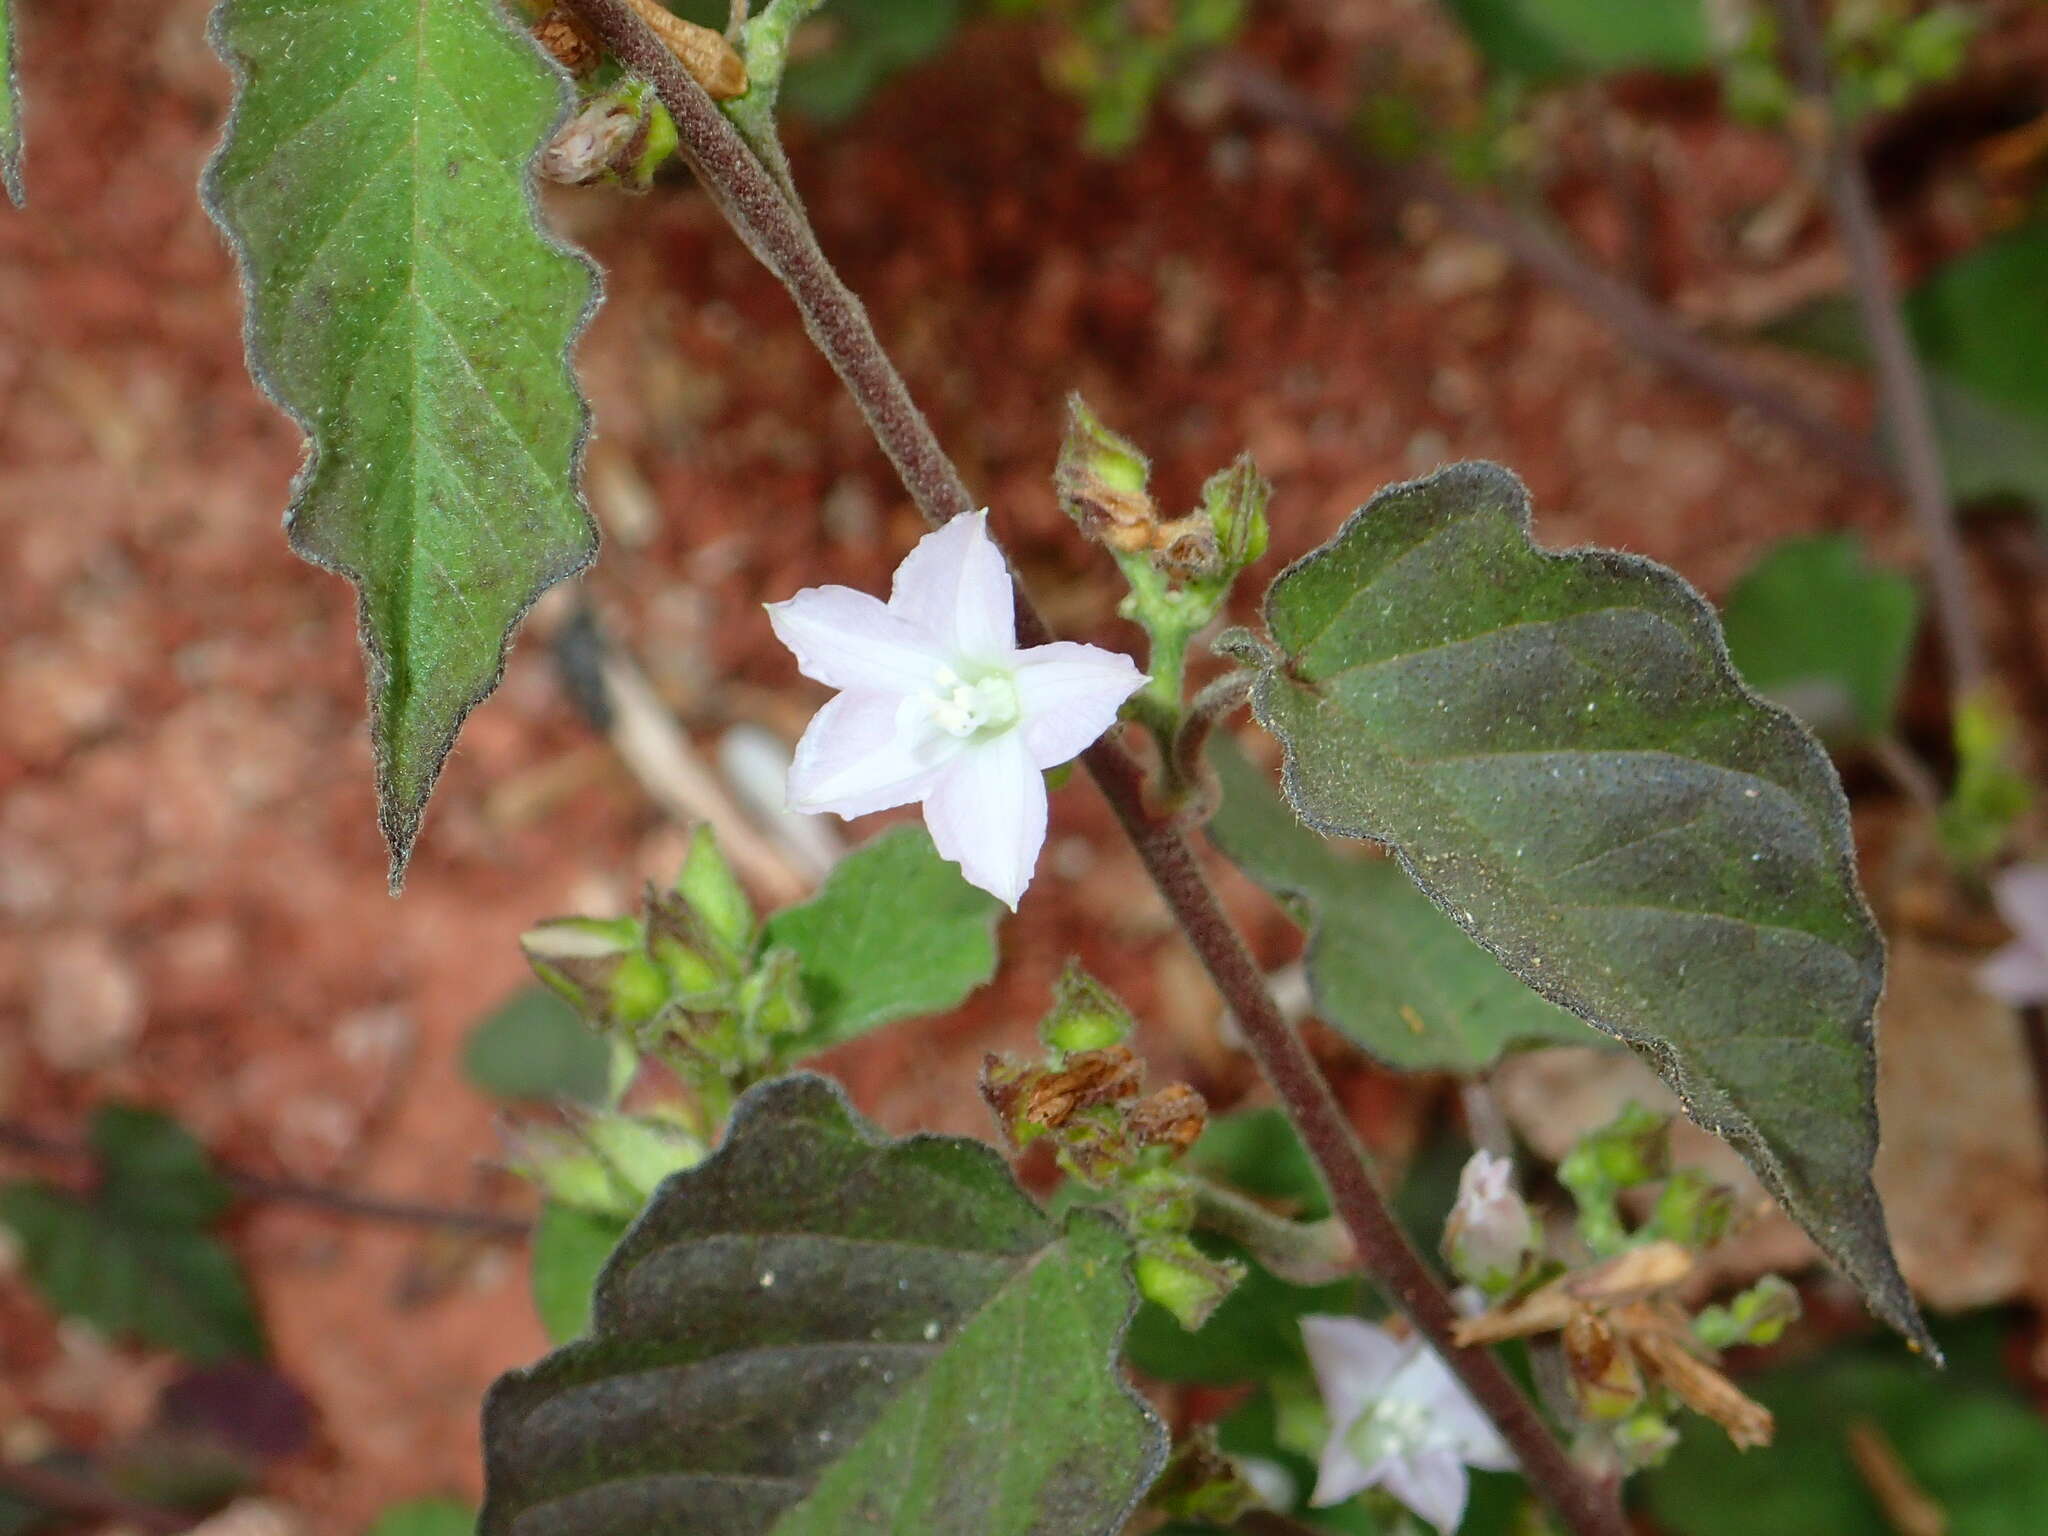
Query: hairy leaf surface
[
  {"x": 10, "y": 109},
  {"x": 820, "y": 1330},
  {"x": 1557, "y": 749},
  {"x": 1384, "y": 964},
  {"x": 408, "y": 310},
  {"x": 897, "y": 931}
]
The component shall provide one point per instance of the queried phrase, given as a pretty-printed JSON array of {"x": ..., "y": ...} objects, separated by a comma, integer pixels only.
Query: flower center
[
  {"x": 1391, "y": 1427},
  {"x": 982, "y": 708}
]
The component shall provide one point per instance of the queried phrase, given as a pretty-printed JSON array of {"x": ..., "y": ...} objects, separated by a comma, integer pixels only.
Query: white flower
[
  {"x": 938, "y": 704},
  {"x": 1490, "y": 1231},
  {"x": 1399, "y": 1420},
  {"x": 2018, "y": 973}
]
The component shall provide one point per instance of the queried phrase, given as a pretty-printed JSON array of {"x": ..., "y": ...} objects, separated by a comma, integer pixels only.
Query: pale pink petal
[
  {"x": 955, "y": 586},
  {"x": 1455, "y": 1420},
  {"x": 1353, "y": 1361},
  {"x": 1342, "y": 1473},
  {"x": 846, "y": 639},
  {"x": 987, "y": 814},
  {"x": 856, "y": 757},
  {"x": 2022, "y": 896},
  {"x": 2016, "y": 974},
  {"x": 1433, "y": 1484},
  {"x": 1068, "y": 695}
]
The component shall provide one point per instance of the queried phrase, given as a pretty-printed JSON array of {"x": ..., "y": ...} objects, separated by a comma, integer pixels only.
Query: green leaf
[
  {"x": 1977, "y": 1449},
  {"x": 570, "y": 1246},
  {"x": 1557, "y": 750},
  {"x": 426, "y": 1517},
  {"x": 870, "y": 41},
  {"x": 10, "y": 110},
  {"x": 1385, "y": 965},
  {"x": 820, "y": 1330},
  {"x": 152, "y": 1172},
  {"x": 409, "y": 312},
  {"x": 1816, "y": 628},
  {"x": 1547, "y": 39},
  {"x": 895, "y": 932},
  {"x": 535, "y": 1046},
  {"x": 170, "y": 1286}
]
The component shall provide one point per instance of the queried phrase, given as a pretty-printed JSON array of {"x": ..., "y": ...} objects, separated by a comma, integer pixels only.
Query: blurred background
[{"x": 1260, "y": 226}]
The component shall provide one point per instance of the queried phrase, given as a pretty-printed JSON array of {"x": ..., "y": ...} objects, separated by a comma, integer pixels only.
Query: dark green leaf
[
  {"x": 426, "y": 1517},
  {"x": 536, "y": 1047},
  {"x": 1818, "y": 629},
  {"x": 819, "y": 1331},
  {"x": 570, "y": 1246},
  {"x": 1385, "y": 965},
  {"x": 895, "y": 932},
  {"x": 1558, "y": 751},
  {"x": 152, "y": 1172},
  {"x": 1544, "y": 39},
  {"x": 167, "y": 1285},
  {"x": 1977, "y": 1449},
  {"x": 407, "y": 309},
  {"x": 870, "y": 40},
  {"x": 10, "y": 109}
]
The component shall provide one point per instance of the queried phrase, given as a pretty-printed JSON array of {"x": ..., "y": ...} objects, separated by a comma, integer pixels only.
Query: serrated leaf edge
[
  {"x": 1887, "y": 1292},
  {"x": 399, "y": 823}
]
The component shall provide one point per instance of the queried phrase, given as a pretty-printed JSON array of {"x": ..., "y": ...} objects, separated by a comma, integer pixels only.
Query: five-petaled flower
[
  {"x": 1399, "y": 1420},
  {"x": 938, "y": 704}
]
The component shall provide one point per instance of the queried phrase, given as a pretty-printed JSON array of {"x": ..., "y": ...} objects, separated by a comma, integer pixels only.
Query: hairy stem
[
  {"x": 1642, "y": 325},
  {"x": 1300, "y": 1252},
  {"x": 777, "y": 231},
  {"x": 1900, "y": 381}
]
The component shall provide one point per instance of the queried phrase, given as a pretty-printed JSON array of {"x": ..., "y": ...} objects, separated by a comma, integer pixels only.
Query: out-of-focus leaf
[
  {"x": 1545, "y": 39},
  {"x": 408, "y": 310},
  {"x": 896, "y": 932},
  {"x": 426, "y": 1517},
  {"x": 1964, "y": 1437},
  {"x": 819, "y": 1331},
  {"x": 1385, "y": 965},
  {"x": 152, "y": 1171},
  {"x": 867, "y": 42},
  {"x": 1818, "y": 629},
  {"x": 570, "y": 1246},
  {"x": 170, "y": 1286},
  {"x": 1558, "y": 751},
  {"x": 534, "y": 1046},
  {"x": 10, "y": 109}
]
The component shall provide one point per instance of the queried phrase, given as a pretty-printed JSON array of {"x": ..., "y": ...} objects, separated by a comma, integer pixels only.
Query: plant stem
[
  {"x": 63, "y": 1495},
  {"x": 1299, "y": 1252},
  {"x": 777, "y": 231},
  {"x": 256, "y": 1186},
  {"x": 1641, "y": 324},
  {"x": 1901, "y": 384}
]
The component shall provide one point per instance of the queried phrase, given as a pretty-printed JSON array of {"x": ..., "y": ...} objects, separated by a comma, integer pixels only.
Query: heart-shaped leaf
[
  {"x": 819, "y": 1330},
  {"x": 1384, "y": 964},
  {"x": 409, "y": 311},
  {"x": 1558, "y": 751}
]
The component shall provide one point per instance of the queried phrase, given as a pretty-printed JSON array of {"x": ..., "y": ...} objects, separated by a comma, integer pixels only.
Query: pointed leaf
[
  {"x": 819, "y": 1331},
  {"x": 152, "y": 1170},
  {"x": 535, "y": 1046},
  {"x": 896, "y": 932},
  {"x": 1384, "y": 964},
  {"x": 1557, "y": 750},
  {"x": 410, "y": 313}
]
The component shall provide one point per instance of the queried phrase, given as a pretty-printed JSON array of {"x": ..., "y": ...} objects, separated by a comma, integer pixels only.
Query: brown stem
[
  {"x": 256, "y": 1186},
  {"x": 1901, "y": 384},
  {"x": 776, "y": 230},
  {"x": 2034, "y": 1037},
  {"x": 1641, "y": 324},
  {"x": 1188, "y": 765}
]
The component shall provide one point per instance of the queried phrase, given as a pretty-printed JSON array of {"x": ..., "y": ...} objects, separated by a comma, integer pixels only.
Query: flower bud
[
  {"x": 1234, "y": 501},
  {"x": 597, "y": 142},
  {"x": 1181, "y": 1278},
  {"x": 1692, "y": 1209},
  {"x": 1085, "y": 1016},
  {"x": 1490, "y": 1235},
  {"x": 1101, "y": 483},
  {"x": 708, "y": 884},
  {"x": 608, "y": 1164},
  {"x": 599, "y": 965},
  {"x": 1759, "y": 1315}
]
